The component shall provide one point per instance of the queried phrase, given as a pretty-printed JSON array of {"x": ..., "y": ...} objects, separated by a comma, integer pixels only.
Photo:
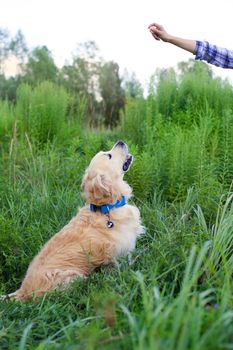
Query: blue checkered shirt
[{"x": 213, "y": 54}]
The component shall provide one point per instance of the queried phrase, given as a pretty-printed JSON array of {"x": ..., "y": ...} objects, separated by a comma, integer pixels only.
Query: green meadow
[{"x": 176, "y": 293}]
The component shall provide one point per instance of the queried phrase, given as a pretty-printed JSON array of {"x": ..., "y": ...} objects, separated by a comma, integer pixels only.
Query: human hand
[{"x": 158, "y": 32}]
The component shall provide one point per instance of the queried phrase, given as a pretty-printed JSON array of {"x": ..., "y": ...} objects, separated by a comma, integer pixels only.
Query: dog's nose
[{"x": 120, "y": 144}]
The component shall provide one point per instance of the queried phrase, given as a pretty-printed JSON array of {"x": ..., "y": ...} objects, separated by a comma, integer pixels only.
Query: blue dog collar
[{"x": 105, "y": 209}]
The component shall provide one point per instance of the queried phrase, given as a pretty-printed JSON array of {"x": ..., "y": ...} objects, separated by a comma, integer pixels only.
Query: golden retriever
[{"x": 104, "y": 229}]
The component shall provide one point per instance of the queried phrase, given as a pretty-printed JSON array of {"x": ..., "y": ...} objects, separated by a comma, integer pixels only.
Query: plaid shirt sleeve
[{"x": 213, "y": 54}]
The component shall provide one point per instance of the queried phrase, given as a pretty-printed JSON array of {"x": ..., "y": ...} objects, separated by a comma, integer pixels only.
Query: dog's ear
[
  {"x": 99, "y": 190},
  {"x": 101, "y": 187}
]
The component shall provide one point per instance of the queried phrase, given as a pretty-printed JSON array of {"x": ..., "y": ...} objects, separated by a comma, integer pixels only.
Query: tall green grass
[
  {"x": 42, "y": 110},
  {"x": 176, "y": 293},
  {"x": 6, "y": 120}
]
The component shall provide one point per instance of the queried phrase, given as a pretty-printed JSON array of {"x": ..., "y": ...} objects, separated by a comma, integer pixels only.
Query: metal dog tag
[{"x": 110, "y": 224}]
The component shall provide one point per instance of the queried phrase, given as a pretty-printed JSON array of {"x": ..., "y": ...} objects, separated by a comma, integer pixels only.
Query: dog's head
[{"x": 103, "y": 180}]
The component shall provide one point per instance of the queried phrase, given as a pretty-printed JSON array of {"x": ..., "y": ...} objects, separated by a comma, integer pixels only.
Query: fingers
[
  {"x": 152, "y": 25},
  {"x": 158, "y": 26},
  {"x": 158, "y": 31},
  {"x": 155, "y": 36},
  {"x": 155, "y": 33}
]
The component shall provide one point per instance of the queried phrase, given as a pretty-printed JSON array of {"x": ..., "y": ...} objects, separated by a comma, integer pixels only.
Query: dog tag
[{"x": 110, "y": 224}]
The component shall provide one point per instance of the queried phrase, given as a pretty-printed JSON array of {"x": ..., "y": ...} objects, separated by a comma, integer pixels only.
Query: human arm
[
  {"x": 203, "y": 50},
  {"x": 159, "y": 33}
]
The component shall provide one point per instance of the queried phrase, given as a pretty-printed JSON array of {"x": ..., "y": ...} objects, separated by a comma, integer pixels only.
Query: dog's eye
[{"x": 109, "y": 155}]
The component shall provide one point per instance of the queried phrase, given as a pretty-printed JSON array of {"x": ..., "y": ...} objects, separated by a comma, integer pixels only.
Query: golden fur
[{"x": 86, "y": 242}]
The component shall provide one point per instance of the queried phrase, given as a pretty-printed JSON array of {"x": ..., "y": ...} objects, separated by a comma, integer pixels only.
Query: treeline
[
  {"x": 90, "y": 92},
  {"x": 88, "y": 77}
]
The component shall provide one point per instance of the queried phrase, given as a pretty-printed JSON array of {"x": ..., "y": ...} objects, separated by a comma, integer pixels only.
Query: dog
[{"x": 103, "y": 230}]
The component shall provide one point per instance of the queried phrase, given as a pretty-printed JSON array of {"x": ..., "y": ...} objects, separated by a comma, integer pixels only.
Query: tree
[
  {"x": 40, "y": 66},
  {"x": 8, "y": 87},
  {"x": 111, "y": 92},
  {"x": 4, "y": 46},
  {"x": 132, "y": 85},
  {"x": 18, "y": 47},
  {"x": 9, "y": 47},
  {"x": 81, "y": 79},
  {"x": 196, "y": 67}
]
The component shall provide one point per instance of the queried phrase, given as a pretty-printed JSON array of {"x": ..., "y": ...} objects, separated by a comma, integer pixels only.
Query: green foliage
[
  {"x": 225, "y": 165},
  {"x": 6, "y": 120},
  {"x": 5, "y": 45},
  {"x": 133, "y": 121},
  {"x": 79, "y": 77},
  {"x": 42, "y": 110},
  {"x": 23, "y": 105},
  {"x": 111, "y": 92},
  {"x": 166, "y": 92},
  {"x": 186, "y": 130},
  {"x": 177, "y": 291},
  {"x": 143, "y": 174},
  {"x": 18, "y": 46},
  {"x": 132, "y": 86},
  {"x": 40, "y": 66},
  {"x": 221, "y": 254},
  {"x": 8, "y": 87}
]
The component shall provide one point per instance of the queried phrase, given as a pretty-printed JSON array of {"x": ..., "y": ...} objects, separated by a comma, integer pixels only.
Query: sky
[{"x": 120, "y": 29}]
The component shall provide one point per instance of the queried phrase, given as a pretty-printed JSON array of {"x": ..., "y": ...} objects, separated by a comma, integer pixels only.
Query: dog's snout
[{"x": 121, "y": 148}]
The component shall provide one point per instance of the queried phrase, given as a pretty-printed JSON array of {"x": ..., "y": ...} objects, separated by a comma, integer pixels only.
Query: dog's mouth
[{"x": 128, "y": 162}]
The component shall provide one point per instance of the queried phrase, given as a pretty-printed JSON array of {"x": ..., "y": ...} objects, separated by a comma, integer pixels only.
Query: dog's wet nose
[
  {"x": 121, "y": 147},
  {"x": 120, "y": 143}
]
